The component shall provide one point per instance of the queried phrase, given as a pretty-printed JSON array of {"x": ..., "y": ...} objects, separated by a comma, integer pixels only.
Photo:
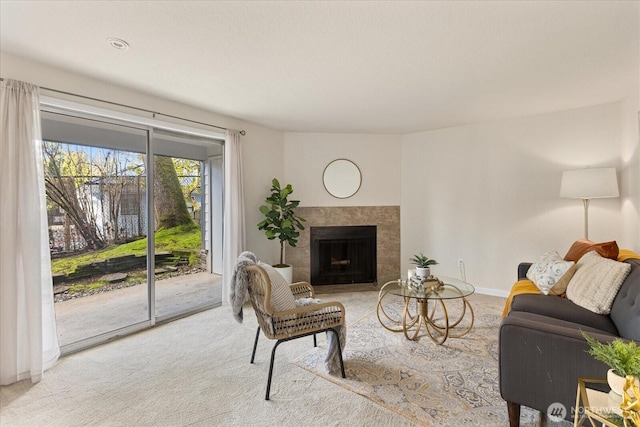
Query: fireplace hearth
[{"x": 343, "y": 254}]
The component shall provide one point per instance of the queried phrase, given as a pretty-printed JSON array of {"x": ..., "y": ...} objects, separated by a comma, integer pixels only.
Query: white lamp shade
[{"x": 590, "y": 183}]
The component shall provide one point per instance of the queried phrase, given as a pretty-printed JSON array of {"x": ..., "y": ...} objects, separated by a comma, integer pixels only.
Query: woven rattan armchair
[{"x": 291, "y": 324}]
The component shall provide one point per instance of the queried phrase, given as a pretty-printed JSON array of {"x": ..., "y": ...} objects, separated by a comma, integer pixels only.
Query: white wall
[
  {"x": 262, "y": 161},
  {"x": 377, "y": 156},
  {"x": 489, "y": 192},
  {"x": 630, "y": 171},
  {"x": 261, "y": 147}
]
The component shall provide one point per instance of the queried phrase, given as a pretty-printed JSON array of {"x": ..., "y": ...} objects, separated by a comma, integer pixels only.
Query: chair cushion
[
  {"x": 596, "y": 282},
  {"x": 580, "y": 247},
  {"x": 281, "y": 296}
]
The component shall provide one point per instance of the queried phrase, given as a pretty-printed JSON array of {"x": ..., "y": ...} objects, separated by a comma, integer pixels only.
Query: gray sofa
[{"x": 542, "y": 352}]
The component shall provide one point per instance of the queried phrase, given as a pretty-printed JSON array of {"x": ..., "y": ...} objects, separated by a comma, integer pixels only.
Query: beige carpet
[
  {"x": 454, "y": 384},
  {"x": 196, "y": 372}
]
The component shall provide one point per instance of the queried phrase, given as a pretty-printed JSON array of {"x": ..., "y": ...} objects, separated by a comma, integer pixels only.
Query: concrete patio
[{"x": 85, "y": 317}]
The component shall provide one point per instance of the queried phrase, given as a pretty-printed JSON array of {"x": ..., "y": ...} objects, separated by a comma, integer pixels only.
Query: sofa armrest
[
  {"x": 523, "y": 267},
  {"x": 540, "y": 360}
]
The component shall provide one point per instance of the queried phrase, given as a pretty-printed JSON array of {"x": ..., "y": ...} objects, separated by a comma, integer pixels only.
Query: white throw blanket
[
  {"x": 240, "y": 289},
  {"x": 240, "y": 283},
  {"x": 332, "y": 362}
]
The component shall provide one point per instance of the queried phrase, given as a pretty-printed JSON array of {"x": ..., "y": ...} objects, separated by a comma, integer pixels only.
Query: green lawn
[{"x": 184, "y": 237}]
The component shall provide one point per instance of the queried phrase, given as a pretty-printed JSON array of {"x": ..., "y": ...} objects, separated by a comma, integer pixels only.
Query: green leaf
[
  {"x": 622, "y": 357},
  {"x": 421, "y": 260},
  {"x": 280, "y": 220}
]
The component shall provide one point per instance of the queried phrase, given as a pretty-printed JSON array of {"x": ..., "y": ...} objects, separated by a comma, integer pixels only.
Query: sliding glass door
[
  {"x": 96, "y": 202},
  {"x": 130, "y": 225},
  {"x": 185, "y": 280}
]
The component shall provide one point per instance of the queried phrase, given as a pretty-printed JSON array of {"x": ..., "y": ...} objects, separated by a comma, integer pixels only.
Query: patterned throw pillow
[
  {"x": 281, "y": 296},
  {"x": 597, "y": 282},
  {"x": 550, "y": 273}
]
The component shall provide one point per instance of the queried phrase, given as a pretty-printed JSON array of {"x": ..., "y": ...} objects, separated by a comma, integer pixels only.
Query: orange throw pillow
[{"x": 580, "y": 247}]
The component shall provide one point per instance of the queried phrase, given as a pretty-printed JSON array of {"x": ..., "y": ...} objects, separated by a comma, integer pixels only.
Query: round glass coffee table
[{"x": 426, "y": 306}]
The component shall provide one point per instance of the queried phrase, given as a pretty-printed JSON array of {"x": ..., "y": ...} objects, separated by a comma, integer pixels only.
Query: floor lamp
[{"x": 589, "y": 183}]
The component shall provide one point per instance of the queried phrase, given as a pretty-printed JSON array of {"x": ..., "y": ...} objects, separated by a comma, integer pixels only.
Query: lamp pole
[
  {"x": 587, "y": 184},
  {"x": 586, "y": 218}
]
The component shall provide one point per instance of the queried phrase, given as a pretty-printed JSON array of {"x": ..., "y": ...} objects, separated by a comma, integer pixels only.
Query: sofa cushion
[
  {"x": 596, "y": 282},
  {"x": 580, "y": 247},
  {"x": 523, "y": 286},
  {"x": 564, "y": 310},
  {"x": 551, "y": 273},
  {"x": 546, "y": 324},
  {"x": 625, "y": 311}
]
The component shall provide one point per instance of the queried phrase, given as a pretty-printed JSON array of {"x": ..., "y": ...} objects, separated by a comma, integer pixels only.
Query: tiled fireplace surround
[{"x": 386, "y": 218}]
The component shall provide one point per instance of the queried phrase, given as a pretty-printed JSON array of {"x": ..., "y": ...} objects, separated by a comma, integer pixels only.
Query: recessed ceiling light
[{"x": 118, "y": 43}]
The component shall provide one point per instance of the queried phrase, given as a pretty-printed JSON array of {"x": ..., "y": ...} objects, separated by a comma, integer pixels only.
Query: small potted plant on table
[
  {"x": 422, "y": 264},
  {"x": 623, "y": 358}
]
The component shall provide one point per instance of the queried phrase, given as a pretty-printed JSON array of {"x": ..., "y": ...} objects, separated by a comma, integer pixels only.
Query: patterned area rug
[{"x": 454, "y": 384}]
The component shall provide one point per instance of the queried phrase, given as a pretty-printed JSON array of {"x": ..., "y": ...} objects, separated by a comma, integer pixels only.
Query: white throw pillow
[
  {"x": 597, "y": 282},
  {"x": 281, "y": 296},
  {"x": 550, "y": 273}
]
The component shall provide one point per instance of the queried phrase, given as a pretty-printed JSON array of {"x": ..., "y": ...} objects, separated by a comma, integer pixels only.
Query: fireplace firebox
[{"x": 343, "y": 254}]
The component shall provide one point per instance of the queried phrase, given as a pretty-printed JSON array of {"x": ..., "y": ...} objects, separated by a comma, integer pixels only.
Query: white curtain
[
  {"x": 28, "y": 338},
  {"x": 234, "y": 240}
]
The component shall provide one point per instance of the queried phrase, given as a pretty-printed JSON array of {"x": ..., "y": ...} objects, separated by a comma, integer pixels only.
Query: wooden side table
[{"x": 598, "y": 406}]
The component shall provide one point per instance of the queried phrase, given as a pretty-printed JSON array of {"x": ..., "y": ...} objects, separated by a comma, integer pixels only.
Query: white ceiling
[{"x": 365, "y": 67}]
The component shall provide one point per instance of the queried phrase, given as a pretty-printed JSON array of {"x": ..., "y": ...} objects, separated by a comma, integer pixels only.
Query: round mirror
[{"x": 341, "y": 178}]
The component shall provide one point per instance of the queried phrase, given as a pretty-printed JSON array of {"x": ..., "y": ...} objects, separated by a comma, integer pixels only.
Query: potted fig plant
[
  {"x": 623, "y": 358},
  {"x": 422, "y": 264},
  {"x": 281, "y": 222}
]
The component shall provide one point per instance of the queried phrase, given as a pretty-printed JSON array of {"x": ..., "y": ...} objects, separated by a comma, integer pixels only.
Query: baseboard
[
  {"x": 352, "y": 287},
  {"x": 492, "y": 292}
]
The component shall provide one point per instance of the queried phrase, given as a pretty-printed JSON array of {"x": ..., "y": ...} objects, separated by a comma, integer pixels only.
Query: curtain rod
[{"x": 242, "y": 132}]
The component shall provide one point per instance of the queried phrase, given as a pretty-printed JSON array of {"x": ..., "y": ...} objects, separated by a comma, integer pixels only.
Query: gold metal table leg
[
  {"x": 439, "y": 328},
  {"x": 438, "y": 334},
  {"x": 387, "y": 320},
  {"x": 434, "y": 315},
  {"x": 460, "y": 332}
]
